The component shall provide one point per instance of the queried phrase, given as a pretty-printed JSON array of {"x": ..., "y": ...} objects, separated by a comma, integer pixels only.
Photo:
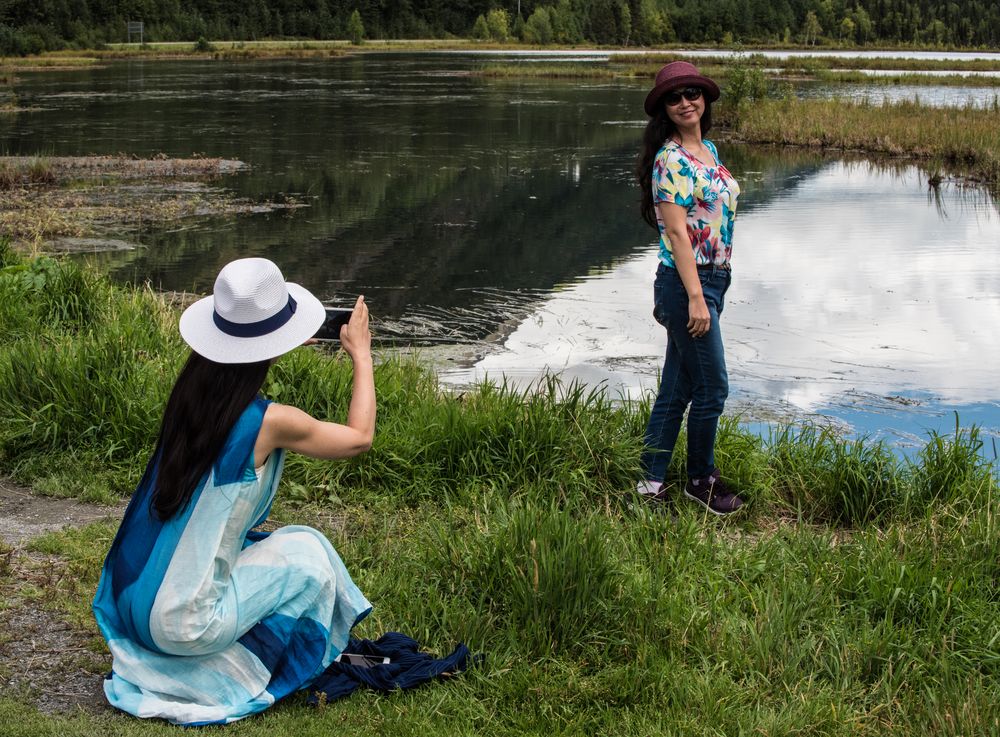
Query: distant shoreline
[{"x": 232, "y": 49}]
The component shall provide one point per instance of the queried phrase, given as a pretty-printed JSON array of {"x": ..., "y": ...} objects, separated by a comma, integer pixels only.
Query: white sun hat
[{"x": 253, "y": 315}]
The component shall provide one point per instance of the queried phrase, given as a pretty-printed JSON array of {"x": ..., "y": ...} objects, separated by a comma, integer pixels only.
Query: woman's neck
[{"x": 688, "y": 137}]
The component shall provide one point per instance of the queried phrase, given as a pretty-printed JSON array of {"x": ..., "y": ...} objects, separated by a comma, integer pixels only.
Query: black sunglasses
[{"x": 688, "y": 93}]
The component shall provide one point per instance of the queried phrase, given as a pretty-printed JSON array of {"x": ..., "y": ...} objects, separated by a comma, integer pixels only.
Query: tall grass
[
  {"x": 87, "y": 367},
  {"x": 498, "y": 517}
]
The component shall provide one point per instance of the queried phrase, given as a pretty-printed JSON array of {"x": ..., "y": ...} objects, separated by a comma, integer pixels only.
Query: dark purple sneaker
[{"x": 712, "y": 493}]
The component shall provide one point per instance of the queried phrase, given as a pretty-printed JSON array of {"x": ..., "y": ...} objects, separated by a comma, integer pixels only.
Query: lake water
[{"x": 500, "y": 216}]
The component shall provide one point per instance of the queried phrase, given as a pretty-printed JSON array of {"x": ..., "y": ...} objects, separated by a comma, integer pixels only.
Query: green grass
[
  {"x": 857, "y": 594},
  {"x": 829, "y": 69}
]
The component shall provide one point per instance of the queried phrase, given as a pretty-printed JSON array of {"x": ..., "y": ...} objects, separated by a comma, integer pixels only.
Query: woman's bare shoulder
[{"x": 281, "y": 418}]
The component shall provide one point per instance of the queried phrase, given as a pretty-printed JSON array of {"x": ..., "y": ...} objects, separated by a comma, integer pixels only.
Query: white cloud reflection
[{"x": 854, "y": 282}]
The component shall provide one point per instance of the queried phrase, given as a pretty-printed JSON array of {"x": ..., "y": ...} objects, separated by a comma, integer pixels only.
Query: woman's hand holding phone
[{"x": 355, "y": 336}]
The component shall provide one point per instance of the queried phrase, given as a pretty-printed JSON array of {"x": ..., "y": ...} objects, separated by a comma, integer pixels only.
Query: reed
[
  {"x": 50, "y": 61},
  {"x": 964, "y": 140},
  {"x": 25, "y": 172}
]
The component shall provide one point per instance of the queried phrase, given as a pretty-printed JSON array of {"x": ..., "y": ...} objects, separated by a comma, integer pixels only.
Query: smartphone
[
  {"x": 360, "y": 660},
  {"x": 336, "y": 318}
]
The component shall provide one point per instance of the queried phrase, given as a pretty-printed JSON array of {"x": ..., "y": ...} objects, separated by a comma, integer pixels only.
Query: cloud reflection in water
[{"x": 856, "y": 295}]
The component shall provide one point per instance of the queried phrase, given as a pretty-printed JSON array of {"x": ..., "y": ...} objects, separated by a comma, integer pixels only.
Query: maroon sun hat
[{"x": 679, "y": 74}]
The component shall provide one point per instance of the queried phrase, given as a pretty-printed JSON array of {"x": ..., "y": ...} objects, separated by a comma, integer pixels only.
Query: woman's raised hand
[{"x": 355, "y": 337}]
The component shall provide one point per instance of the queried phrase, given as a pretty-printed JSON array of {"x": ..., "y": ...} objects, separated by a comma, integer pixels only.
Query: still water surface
[{"x": 501, "y": 215}]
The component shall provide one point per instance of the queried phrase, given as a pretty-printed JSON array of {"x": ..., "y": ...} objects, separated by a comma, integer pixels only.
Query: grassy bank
[
  {"x": 641, "y": 62},
  {"x": 961, "y": 141},
  {"x": 857, "y": 594}
]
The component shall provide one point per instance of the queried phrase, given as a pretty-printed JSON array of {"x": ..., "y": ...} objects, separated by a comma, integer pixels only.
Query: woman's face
[{"x": 684, "y": 113}]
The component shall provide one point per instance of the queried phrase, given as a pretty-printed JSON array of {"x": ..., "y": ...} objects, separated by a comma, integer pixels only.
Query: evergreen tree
[
  {"x": 355, "y": 28},
  {"x": 863, "y": 24},
  {"x": 538, "y": 29},
  {"x": 480, "y": 30}
]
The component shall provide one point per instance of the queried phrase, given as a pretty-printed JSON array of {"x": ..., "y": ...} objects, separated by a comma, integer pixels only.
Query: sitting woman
[{"x": 207, "y": 621}]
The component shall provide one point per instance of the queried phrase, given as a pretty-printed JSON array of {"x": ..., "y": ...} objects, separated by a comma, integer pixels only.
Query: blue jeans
[{"x": 694, "y": 373}]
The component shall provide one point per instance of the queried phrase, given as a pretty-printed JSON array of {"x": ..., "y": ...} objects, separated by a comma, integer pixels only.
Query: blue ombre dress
[{"x": 208, "y": 622}]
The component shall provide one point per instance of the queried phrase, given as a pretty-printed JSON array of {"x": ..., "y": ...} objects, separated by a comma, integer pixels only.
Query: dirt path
[
  {"x": 24, "y": 515},
  {"x": 43, "y": 659}
]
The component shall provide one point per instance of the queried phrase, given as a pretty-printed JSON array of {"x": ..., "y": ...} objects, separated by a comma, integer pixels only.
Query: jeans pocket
[{"x": 660, "y": 313}]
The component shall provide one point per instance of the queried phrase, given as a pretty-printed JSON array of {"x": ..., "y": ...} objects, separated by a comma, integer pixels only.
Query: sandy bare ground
[
  {"x": 43, "y": 659},
  {"x": 24, "y": 514}
]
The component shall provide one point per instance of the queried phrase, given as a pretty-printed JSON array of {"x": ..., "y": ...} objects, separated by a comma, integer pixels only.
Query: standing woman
[
  {"x": 206, "y": 620},
  {"x": 690, "y": 197}
]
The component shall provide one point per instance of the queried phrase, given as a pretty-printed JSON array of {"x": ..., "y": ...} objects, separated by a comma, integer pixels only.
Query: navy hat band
[{"x": 259, "y": 328}]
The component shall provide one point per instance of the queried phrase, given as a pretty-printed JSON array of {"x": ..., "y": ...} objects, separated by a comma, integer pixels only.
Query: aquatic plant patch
[
  {"x": 965, "y": 141},
  {"x": 46, "y": 201}
]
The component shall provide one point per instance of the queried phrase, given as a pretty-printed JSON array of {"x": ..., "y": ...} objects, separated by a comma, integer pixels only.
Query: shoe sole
[{"x": 692, "y": 497}]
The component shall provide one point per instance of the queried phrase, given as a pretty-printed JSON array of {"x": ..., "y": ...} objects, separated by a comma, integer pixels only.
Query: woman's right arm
[
  {"x": 674, "y": 219},
  {"x": 291, "y": 428}
]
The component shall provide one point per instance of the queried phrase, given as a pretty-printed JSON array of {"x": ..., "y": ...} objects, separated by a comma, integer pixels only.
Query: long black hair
[
  {"x": 659, "y": 128},
  {"x": 205, "y": 403}
]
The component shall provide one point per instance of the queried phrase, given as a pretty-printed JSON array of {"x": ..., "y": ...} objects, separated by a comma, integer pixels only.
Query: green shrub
[{"x": 745, "y": 81}]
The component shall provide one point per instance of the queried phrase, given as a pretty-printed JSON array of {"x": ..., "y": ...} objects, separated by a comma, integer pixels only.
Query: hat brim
[
  {"x": 199, "y": 331},
  {"x": 688, "y": 80}
]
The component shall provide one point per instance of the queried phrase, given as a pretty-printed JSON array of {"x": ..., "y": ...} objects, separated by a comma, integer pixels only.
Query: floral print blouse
[{"x": 709, "y": 194}]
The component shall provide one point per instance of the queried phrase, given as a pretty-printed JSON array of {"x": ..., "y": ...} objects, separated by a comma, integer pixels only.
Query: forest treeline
[{"x": 32, "y": 26}]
